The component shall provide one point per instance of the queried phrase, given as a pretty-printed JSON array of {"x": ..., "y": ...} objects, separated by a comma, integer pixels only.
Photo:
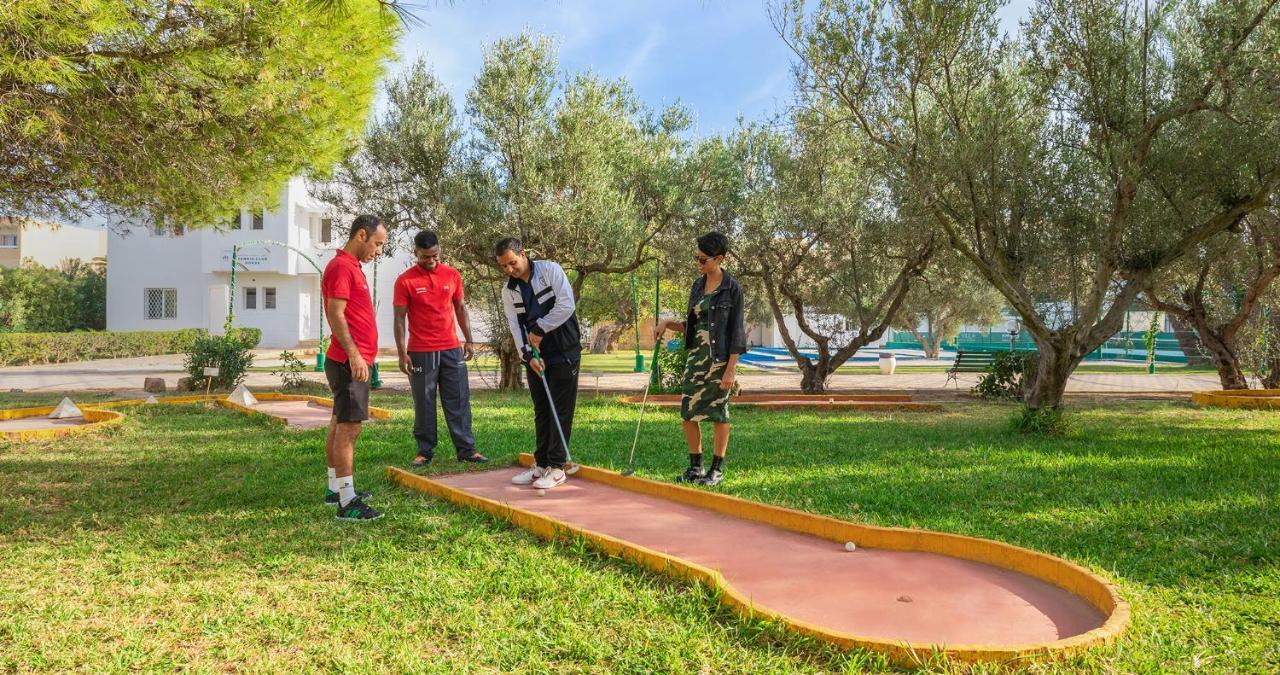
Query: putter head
[
  {"x": 571, "y": 468},
  {"x": 630, "y": 471}
]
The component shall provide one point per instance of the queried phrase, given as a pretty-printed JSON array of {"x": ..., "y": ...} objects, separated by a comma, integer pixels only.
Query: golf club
[
  {"x": 569, "y": 467},
  {"x": 631, "y": 461}
]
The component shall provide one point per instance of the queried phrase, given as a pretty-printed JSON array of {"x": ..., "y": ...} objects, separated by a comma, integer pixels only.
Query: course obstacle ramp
[
  {"x": 294, "y": 411},
  {"x": 907, "y": 593},
  {"x": 784, "y": 401}
]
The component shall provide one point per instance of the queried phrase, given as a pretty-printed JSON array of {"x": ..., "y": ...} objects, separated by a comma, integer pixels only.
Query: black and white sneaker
[
  {"x": 712, "y": 477},
  {"x": 356, "y": 509},
  {"x": 331, "y": 497},
  {"x": 692, "y": 474}
]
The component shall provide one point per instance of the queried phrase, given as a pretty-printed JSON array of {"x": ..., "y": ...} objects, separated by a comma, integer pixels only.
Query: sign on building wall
[{"x": 251, "y": 258}]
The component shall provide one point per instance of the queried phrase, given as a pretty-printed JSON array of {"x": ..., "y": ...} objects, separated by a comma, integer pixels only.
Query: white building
[
  {"x": 160, "y": 280},
  {"x": 841, "y": 330},
  {"x": 48, "y": 244}
]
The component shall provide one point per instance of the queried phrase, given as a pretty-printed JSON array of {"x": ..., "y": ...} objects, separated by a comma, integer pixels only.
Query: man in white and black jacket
[{"x": 539, "y": 305}]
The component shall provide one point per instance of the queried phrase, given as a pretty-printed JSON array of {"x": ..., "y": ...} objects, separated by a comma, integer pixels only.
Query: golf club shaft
[
  {"x": 653, "y": 365},
  {"x": 555, "y": 415}
]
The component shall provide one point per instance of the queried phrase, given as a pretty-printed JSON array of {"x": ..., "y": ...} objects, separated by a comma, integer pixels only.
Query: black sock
[
  {"x": 695, "y": 459},
  {"x": 716, "y": 463}
]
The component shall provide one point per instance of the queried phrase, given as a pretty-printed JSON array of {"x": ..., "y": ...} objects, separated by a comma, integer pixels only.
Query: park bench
[{"x": 969, "y": 362}]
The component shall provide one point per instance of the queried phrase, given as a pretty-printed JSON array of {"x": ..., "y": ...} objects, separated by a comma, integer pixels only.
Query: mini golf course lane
[
  {"x": 31, "y": 424},
  {"x": 897, "y": 601},
  {"x": 296, "y": 414},
  {"x": 294, "y": 411}
]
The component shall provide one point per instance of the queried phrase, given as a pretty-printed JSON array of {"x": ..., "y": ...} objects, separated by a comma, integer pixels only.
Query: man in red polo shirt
[
  {"x": 429, "y": 297},
  {"x": 354, "y": 346}
]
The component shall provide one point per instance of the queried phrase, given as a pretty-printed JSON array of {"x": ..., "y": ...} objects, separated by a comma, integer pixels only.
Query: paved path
[{"x": 128, "y": 374}]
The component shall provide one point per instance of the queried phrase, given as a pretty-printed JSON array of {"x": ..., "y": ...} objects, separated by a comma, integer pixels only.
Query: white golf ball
[
  {"x": 542, "y": 492},
  {"x": 850, "y": 546}
]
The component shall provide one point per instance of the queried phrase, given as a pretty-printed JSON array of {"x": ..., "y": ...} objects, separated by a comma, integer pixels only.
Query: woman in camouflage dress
[{"x": 714, "y": 336}]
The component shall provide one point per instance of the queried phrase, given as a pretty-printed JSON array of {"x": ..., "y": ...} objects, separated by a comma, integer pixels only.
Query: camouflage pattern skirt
[{"x": 703, "y": 400}]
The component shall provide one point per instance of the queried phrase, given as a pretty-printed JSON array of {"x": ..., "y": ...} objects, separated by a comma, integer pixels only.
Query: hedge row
[{"x": 20, "y": 349}]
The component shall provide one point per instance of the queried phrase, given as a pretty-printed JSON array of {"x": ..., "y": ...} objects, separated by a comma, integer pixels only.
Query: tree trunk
[
  {"x": 1188, "y": 341},
  {"x": 1272, "y": 379},
  {"x": 929, "y": 343},
  {"x": 1224, "y": 359},
  {"x": 814, "y": 376},
  {"x": 936, "y": 348},
  {"x": 511, "y": 370},
  {"x": 605, "y": 337},
  {"x": 1054, "y": 368}
]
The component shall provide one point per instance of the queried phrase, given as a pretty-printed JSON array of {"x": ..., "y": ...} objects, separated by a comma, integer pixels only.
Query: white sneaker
[
  {"x": 550, "y": 478},
  {"x": 527, "y": 477}
]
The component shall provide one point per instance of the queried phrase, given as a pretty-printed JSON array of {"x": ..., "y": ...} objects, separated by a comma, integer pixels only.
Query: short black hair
[
  {"x": 368, "y": 223},
  {"x": 713, "y": 244},
  {"x": 507, "y": 244},
  {"x": 426, "y": 239}
]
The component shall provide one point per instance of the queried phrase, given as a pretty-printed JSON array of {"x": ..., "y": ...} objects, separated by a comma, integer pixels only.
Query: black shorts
[{"x": 350, "y": 398}]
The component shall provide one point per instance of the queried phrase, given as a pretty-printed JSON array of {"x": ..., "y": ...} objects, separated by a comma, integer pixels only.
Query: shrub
[
  {"x": 228, "y": 353},
  {"x": 20, "y": 349},
  {"x": 1043, "y": 421},
  {"x": 670, "y": 371},
  {"x": 290, "y": 370},
  {"x": 39, "y": 299},
  {"x": 249, "y": 337},
  {"x": 1008, "y": 376}
]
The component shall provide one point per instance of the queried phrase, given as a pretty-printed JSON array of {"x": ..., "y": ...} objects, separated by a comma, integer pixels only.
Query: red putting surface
[
  {"x": 40, "y": 422},
  {"x": 873, "y": 593},
  {"x": 297, "y": 414}
]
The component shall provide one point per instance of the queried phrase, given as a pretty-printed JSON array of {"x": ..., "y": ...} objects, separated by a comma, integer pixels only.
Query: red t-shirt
[
  {"x": 429, "y": 296},
  {"x": 344, "y": 279}
]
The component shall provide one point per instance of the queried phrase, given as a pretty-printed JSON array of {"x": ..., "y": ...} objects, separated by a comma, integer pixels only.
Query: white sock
[
  {"x": 346, "y": 490},
  {"x": 333, "y": 480}
]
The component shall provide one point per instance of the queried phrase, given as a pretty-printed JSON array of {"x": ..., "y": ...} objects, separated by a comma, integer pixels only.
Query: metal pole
[{"x": 635, "y": 308}]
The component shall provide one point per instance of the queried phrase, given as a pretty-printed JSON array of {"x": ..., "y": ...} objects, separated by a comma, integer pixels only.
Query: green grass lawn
[{"x": 194, "y": 538}]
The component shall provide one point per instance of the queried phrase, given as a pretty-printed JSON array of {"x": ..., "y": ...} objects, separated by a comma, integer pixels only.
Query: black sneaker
[
  {"x": 712, "y": 477},
  {"x": 692, "y": 474},
  {"x": 331, "y": 497},
  {"x": 356, "y": 509},
  {"x": 421, "y": 460},
  {"x": 475, "y": 457}
]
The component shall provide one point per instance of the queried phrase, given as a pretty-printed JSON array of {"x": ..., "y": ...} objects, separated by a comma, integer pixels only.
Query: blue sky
[{"x": 721, "y": 58}]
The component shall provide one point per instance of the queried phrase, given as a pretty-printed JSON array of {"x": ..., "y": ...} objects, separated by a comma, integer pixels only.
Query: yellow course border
[
  {"x": 1068, "y": 576},
  {"x": 1266, "y": 399},
  {"x": 781, "y": 401},
  {"x": 100, "y": 415}
]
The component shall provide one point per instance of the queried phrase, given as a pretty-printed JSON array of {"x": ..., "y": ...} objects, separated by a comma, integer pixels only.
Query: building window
[
  {"x": 233, "y": 223},
  {"x": 250, "y": 298},
  {"x": 326, "y": 230},
  {"x": 161, "y": 303},
  {"x": 268, "y": 298},
  {"x": 8, "y": 241},
  {"x": 257, "y": 221}
]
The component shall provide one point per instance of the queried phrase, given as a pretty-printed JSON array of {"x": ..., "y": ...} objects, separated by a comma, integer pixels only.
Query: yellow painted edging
[
  {"x": 95, "y": 419},
  {"x": 1068, "y": 576},
  {"x": 1265, "y": 399},
  {"x": 99, "y": 415}
]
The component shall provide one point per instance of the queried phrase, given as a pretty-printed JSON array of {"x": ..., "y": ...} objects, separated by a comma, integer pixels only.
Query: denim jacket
[{"x": 728, "y": 334}]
